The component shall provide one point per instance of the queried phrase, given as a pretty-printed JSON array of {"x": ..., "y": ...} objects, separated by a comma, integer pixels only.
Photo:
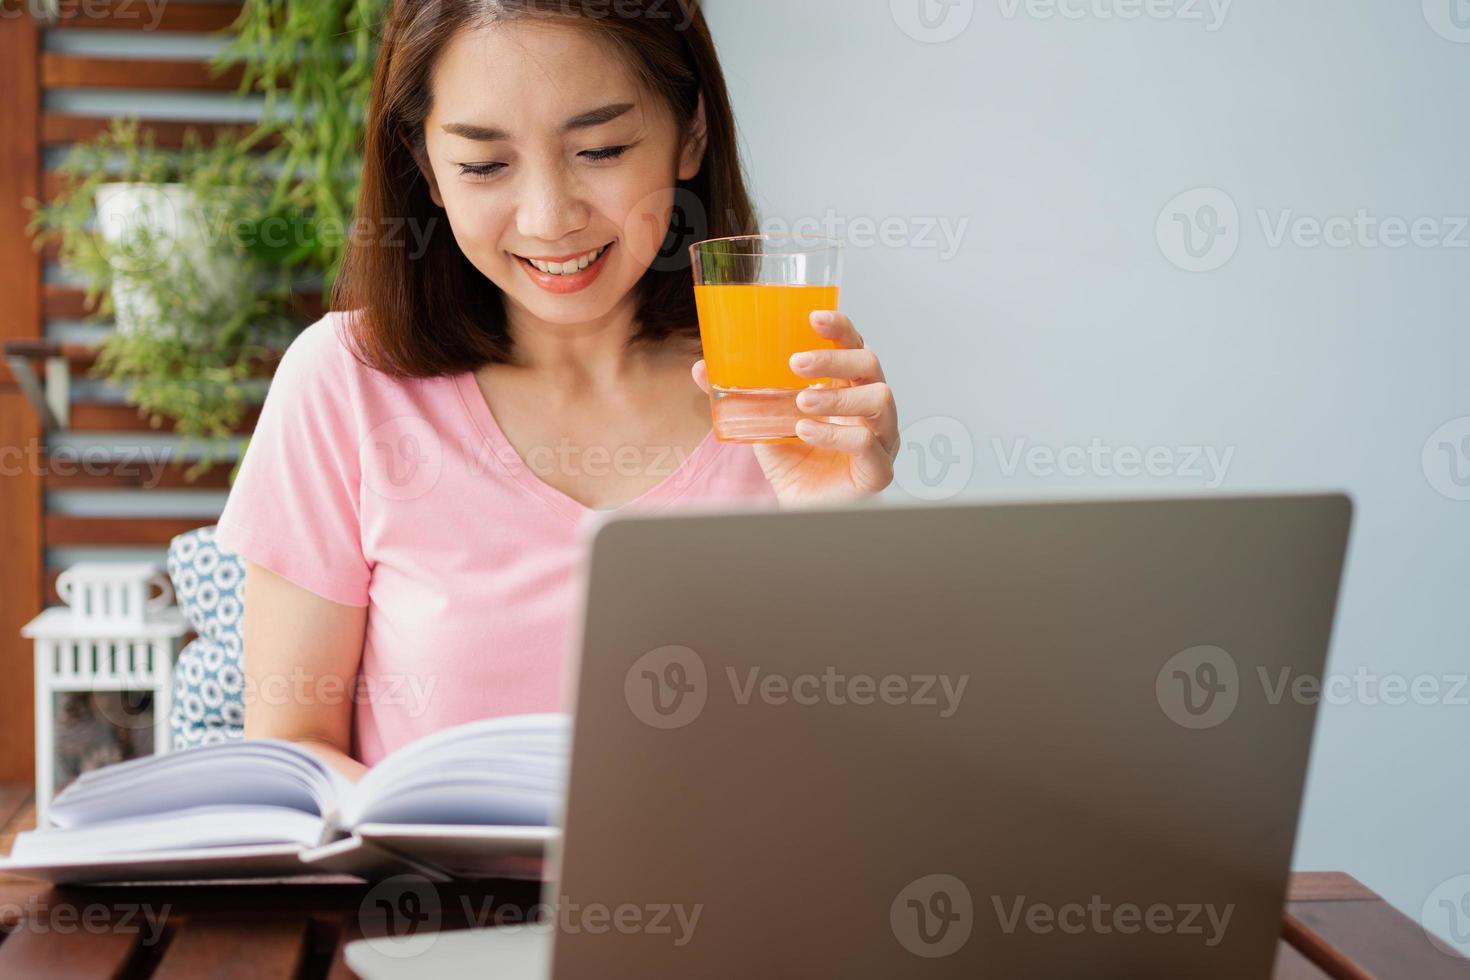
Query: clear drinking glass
[{"x": 755, "y": 296}]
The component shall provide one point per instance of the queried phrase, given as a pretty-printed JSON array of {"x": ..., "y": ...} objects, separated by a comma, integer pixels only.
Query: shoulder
[
  {"x": 322, "y": 344},
  {"x": 317, "y": 376},
  {"x": 323, "y": 354}
]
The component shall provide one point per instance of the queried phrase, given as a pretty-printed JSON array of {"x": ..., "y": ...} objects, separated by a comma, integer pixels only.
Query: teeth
[{"x": 570, "y": 266}]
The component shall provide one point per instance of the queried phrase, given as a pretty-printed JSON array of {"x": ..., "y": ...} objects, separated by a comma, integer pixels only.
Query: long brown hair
[{"x": 434, "y": 313}]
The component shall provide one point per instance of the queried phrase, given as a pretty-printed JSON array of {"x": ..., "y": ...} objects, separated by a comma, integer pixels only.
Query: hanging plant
[
  {"x": 196, "y": 253},
  {"x": 313, "y": 62},
  {"x": 152, "y": 236}
]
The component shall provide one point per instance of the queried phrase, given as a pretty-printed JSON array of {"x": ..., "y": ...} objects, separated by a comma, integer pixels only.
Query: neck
[{"x": 578, "y": 357}]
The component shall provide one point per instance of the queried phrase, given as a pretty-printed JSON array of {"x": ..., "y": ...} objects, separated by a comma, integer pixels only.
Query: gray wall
[{"x": 1074, "y": 310}]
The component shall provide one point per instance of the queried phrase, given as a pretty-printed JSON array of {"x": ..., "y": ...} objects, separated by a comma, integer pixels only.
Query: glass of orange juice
[{"x": 755, "y": 295}]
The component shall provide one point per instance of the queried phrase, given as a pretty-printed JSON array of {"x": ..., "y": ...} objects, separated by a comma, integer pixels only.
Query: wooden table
[{"x": 1334, "y": 927}]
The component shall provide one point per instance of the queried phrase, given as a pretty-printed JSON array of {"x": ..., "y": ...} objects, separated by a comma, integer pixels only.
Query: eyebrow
[{"x": 586, "y": 120}]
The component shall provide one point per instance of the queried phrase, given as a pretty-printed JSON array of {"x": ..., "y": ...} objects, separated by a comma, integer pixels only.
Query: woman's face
[{"x": 542, "y": 145}]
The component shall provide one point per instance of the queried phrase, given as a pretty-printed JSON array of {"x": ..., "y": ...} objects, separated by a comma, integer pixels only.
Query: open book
[{"x": 475, "y": 800}]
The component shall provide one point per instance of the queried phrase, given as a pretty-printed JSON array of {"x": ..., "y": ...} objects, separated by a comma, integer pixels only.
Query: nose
[{"x": 551, "y": 210}]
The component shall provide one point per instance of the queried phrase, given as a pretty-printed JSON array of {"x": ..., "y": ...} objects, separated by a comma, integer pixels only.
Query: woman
[{"x": 408, "y": 510}]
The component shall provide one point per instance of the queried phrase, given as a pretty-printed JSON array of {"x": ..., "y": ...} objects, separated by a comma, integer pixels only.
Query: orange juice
[{"x": 749, "y": 332}]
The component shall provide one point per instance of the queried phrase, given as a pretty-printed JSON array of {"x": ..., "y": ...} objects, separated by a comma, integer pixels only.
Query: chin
[
  {"x": 601, "y": 299},
  {"x": 564, "y": 310},
  {"x": 564, "y": 314}
]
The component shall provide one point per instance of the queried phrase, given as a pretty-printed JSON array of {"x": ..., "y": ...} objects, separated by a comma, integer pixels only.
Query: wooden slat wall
[
  {"x": 65, "y": 71},
  {"x": 45, "y": 69},
  {"x": 130, "y": 15},
  {"x": 20, "y": 490},
  {"x": 59, "y": 129}
]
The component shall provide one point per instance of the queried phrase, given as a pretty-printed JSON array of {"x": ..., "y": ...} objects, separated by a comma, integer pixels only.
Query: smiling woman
[
  {"x": 542, "y": 134},
  {"x": 412, "y": 504}
]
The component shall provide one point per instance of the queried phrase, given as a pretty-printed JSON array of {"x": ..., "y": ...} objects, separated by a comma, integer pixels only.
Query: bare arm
[{"x": 301, "y": 663}]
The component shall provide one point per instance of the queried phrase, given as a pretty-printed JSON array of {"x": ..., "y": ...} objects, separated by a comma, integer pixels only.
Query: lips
[{"x": 563, "y": 284}]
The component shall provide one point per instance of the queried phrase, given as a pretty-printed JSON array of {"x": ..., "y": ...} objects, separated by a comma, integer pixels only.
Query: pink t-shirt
[{"x": 404, "y": 496}]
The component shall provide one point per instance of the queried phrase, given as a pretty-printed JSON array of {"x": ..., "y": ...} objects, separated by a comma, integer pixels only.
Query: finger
[
  {"x": 701, "y": 375},
  {"x": 871, "y": 459},
  {"x": 872, "y": 403},
  {"x": 838, "y": 326},
  {"x": 858, "y": 366}
]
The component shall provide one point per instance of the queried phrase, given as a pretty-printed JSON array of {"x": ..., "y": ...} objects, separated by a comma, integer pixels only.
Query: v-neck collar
[{"x": 511, "y": 463}]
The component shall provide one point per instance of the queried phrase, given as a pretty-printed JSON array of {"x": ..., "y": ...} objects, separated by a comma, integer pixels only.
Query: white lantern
[{"x": 112, "y": 642}]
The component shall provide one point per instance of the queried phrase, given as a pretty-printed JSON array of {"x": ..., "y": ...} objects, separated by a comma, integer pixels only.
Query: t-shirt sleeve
[{"x": 295, "y": 505}]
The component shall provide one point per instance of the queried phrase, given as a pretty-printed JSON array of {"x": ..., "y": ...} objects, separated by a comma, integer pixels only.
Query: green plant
[
  {"x": 276, "y": 202},
  {"x": 205, "y": 333},
  {"x": 313, "y": 61}
]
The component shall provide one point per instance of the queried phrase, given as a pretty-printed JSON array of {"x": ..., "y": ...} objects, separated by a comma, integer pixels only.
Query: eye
[
  {"x": 491, "y": 169},
  {"x": 480, "y": 169},
  {"x": 606, "y": 153}
]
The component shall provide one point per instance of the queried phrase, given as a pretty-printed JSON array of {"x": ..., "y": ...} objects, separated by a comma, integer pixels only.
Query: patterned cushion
[{"x": 209, "y": 678}]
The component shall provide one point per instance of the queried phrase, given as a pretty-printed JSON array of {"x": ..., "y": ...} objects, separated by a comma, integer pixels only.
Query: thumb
[{"x": 701, "y": 375}]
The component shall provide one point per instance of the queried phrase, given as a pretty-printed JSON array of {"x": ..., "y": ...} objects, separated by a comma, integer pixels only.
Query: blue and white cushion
[{"x": 209, "y": 678}]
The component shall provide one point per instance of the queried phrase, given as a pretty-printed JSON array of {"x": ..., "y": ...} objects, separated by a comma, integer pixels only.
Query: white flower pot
[{"x": 159, "y": 232}]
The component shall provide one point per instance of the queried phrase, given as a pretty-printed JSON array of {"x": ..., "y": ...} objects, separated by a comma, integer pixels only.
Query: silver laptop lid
[{"x": 1028, "y": 740}]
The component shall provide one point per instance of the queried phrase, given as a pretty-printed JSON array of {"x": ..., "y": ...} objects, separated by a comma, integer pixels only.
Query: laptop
[{"x": 1019, "y": 740}]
